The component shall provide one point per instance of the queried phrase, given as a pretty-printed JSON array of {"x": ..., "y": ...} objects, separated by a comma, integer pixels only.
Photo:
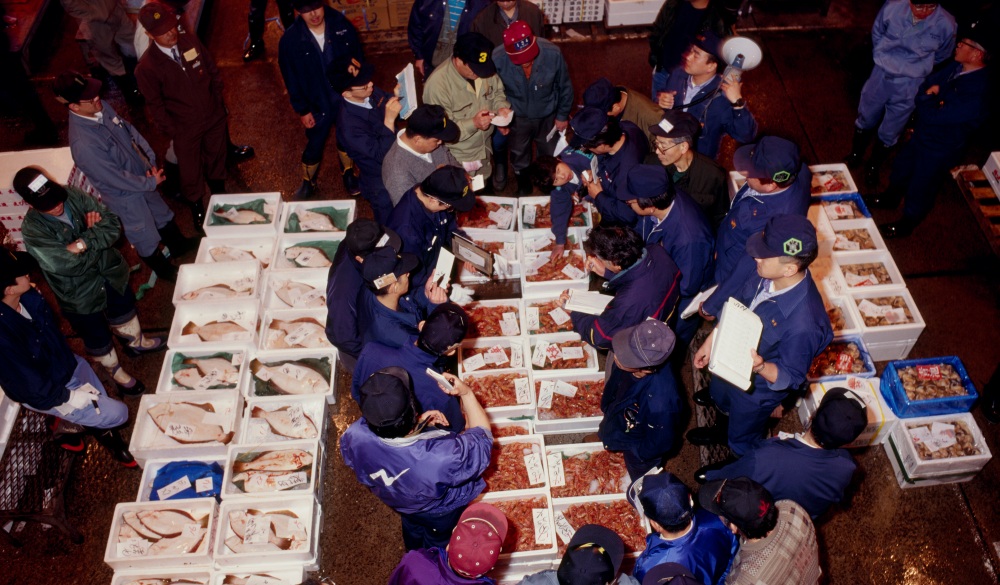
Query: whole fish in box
[
  {"x": 224, "y": 371},
  {"x": 241, "y": 216},
  {"x": 188, "y": 377},
  {"x": 270, "y": 481},
  {"x": 218, "y": 331},
  {"x": 294, "y": 294},
  {"x": 237, "y": 580},
  {"x": 310, "y": 221},
  {"x": 307, "y": 257},
  {"x": 165, "y": 523},
  {"x": 290, "y": 378},
  {"x": 288, "y": 422},
  {"x": 284, "y": 460},
  {"x": 229, "y": 254},
  {"x": 132, "y": 522},
  {"x": 304, "y": 332},
  {"x": 185, "y": 423},
  {"x": 165, "y": 581},
  {"x": 178, "y": 545}
]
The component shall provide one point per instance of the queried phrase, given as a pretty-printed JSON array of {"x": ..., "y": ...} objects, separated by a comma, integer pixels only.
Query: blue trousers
[
  {"x": 316, "y": 138},
  {"x": 113, "y": 413},
  {"x": 748, "y": 413},
  {"x": 887, "y": 99},
  {"x": 429, "y": 530},
  {"x": 141, "y": 214},
  {"x": 918, "y": 173}
]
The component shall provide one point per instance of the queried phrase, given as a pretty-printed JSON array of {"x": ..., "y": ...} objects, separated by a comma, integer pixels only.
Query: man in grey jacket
[{"x": 419, "y": 150}]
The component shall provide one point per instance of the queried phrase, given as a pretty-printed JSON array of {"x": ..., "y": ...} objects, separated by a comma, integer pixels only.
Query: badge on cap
[
  {"x": 781, "y": 176},
  {"x": 385, "y": 280},
  {"x": 38, "y": 184},
  {"x": 483, "y": 57},
  {"x": 792, "y": 246},
  {"x": 354, "y": 68},
  {"x": 522, "y": 44},
  {"x": 665, "y": 125}
]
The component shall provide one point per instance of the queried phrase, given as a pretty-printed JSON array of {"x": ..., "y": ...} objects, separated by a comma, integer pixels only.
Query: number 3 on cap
[{"x": 482, "y": 57}]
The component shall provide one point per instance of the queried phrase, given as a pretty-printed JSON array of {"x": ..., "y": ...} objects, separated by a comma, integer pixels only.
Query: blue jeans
[
  {"x": 113, "y": 413},
  {"x": 429, "y": 530}
]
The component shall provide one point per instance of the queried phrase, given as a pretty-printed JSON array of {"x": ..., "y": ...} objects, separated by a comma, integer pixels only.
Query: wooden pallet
[{"x": 984, "y": 203}]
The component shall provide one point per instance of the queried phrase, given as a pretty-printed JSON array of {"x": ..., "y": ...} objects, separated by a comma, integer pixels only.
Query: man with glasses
[{"x": 419, "y": 150}]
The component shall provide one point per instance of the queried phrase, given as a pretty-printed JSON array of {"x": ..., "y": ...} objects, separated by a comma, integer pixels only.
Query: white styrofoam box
[
  {"x": 992, "y": 171},
  {"x": 824, "y": 230},
  {"x": 559, "y": 507},
  {"x": 917, "y": 471},
  {"x": 276, "y": 359},
  {"x": 889, "y": 333},
  {"x": 869, "y": 257},
  {"x": 631, "y": 12},
  {"x": 129, "y": 556},
  {"x": 547, "y": 525},
  {"x": 290, "y": 575},
  {"x": 56, "y": 162},
  {"x": 849, "y": 311},
  {"x": 153, "y": 467},
  {"x": 304, "y": 507},
  {"x": 890, "y": 350},
  {"x": 539, "y": 200},
  {"x": 551, "y": 9},
  {"x": 545, "y": 423},
  {"x": 509, "y": 203},
  {"x": 588, "y": 351},
  {"x": 299, "y": 326},
  {"x": 510, "y": 410},
  {"x": 551, "y": 287},
  {"x": 583, "y": 11},
  {"x": 192, "y": 317},
  {"x": 508, "y": 573},
  {"x": 512, "y": 346},
  {"x": 149, "y": 442},
  {"x": 511, "y": 252},
  {"x": 518, "y": 309},
  {"x": 527, "y": 424},
  {"x": 348, "y": 205},
  {"x": 865, "y": 223},
  {"x": 534, "y": 239},
  {"x": 569, "y": 450},
  {"x": 315, "y": 278},
  {"x": 849, "y": 186},
  {"x": 221, "y": 250},
  {"x": 537, "y": 448},
  {"x": 536, "y": 302},
  {"x": 305, "y": 479},
  {"x": 241, "y": 278},
  {"x": 190, "y": 576},
  {"x": 826, "y": 274},
  {"x": 880, "y": 416},
  {"x": 167, "y": 382},
  {"x": 318, "y": 258},
  {"x": 253, "y": 432},
  {"x": 225, "y": 229}
]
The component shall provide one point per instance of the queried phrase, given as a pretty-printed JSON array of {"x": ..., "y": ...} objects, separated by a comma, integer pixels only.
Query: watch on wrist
[
  {"x": 80, "y": 246},
  {"x": 739, "y": 103}
]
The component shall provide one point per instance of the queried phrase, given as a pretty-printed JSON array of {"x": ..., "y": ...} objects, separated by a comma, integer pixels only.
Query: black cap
[
  {"x": 784, "y": 235},
  {"x": 676, "y": 124},
  {"x": 709, "y": 42},
  {"x": 476, "y": 51},
  {"x": 37, "y": 190},
  {"x": 431, "y": 121},
  {"x": 672, "y": 573},
  {"x": 385, "y": 397},
  {"x": 303, "y": 6},
  {"x": 364, "y": 235},
  {"x": 593, "y": 556},
  {"x": 842, "y": 416},
  {"x": 771, "y": 158},
  {"x": 450, "y": 184},
  {"x": 347, "y": 72},
  {"x": 71, "y": 88},
  {"x": 443, "y": 328},
  {"x": 588, "y": 124},
  {"x": 980, "y": 34},
  {"x": 10, "y": 268},
  {"x": 741, "y": 501},
  {"x": 645, "y": 182},
  {"x": 383, "y": 267},
  {"x": 602, "y": 94}
]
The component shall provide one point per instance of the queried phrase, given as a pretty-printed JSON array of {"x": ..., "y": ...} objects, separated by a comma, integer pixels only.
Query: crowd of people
[{"x": 498, "y": 99}]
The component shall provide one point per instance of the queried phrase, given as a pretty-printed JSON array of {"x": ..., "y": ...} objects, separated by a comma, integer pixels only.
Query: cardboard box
[
  {"x": 912, "y": 471},
  {"x": 992, "y": 171},
  {"x": 632, "y": 12},
  {"x": 880, "y": 417},
  {"x": 367, "y": 18},
  {"x": 399, "y": 13}
]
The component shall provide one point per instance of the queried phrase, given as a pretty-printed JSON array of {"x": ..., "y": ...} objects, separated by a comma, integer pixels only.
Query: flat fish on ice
[
  {"x": 282, "y": 422},
  {"x": 226, "y": 372},
  {"x": 166, "y": 523},
  {"x": 241, "y": 216},
  {"x": 178, "y": 545},
  {"x": 290, "y": 378},
  {"x": 307, "y": 257},
  {"x": 216, "y": 291},
  {"x": 303, "y": 332},
  {"x": 284, "y": 460},
  {"x": 229, "y": 254},
  {"x": 298, "y": 294},
  {"x": 184, "y": 422},
  {"x": 311, "y": 221},
  {"x": 218, "y": 331}
]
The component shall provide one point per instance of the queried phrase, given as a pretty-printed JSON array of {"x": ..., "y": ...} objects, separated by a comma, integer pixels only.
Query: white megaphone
[{"x": 741, "y": 54}]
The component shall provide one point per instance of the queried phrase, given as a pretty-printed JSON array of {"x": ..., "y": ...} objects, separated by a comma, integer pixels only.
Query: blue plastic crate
[
  {"x": 895, "y": 395},
  {"x": 869, "y": 370},
  {"x": 855, "y": 197}
]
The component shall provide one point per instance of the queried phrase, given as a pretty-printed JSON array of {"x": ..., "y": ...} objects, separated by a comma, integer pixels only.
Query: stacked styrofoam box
[
  {"x": 513, "y": 347},
  {"x": 537, "y": 455},
  {"x": 152, "y": 467},
  {"x": 912, "y": 471},
  {"x": 553, "y": 288},
  {"x": 8, "y": 414},
  {"x": 532, "y": 240},
  {"x": 544, "y": 424},
  {"x": 547, "y": 366},
  {"x": 242, "y": 279},
  {"x": 632, "y": 12},
  {"x": 530, "y": 205},
  {"x": 221, "y": 408},
  {"x": 307, "y": 520},
  {"x": 256, "y": 429},
  {"x": 552, "y": 9},
  {"x": 510, "y": 204},
  {"x": 209, "y": 381},
  {"x": 305, "y": 480},
  {"x": 188, "y": 576},
  {"x": 312, "y": 277},
  {"x": 851, "y": 280},
  {"x": 279, "y": 362},
  {"x": 265, "y": 576},
  {"x": 880, "y": 416},
  {"x": 304, "y": 256},
  {"x": 190, "y": 318},
  {"x": 583, "y": 11},
  {"x": 992, "y": 171},
  {"x": 890, "y": 342},
  {"x": 819, "y": 170},
  {"x": 133, "y": 553},
  {"x": 350, "y": 206},
  {"x": 560, "y": 507},
  {"x": 545, "y": 526},
  {"x": 215, "y": 227},
  {"x": 556, "y": 454},
  {"x": 221, "y": 250},
  {"x": 511, "y": 252},
  {"x": 517, "y": 306},
  {"x": 525, "y": 401}
]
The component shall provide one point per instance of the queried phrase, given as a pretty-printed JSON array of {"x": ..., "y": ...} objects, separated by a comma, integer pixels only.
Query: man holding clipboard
[{"x": 795, "y": 329}]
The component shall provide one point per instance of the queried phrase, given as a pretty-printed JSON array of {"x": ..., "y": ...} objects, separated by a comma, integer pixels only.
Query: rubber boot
[
  {"x": 500, "y": 168},
  {"x": 130, "y": 89},
  {"x": 158, "y": 263},
  {"x": 174, "y": 240},
  {"x": 126, "y": 383},
  {"x": 136, "y": 342},
  {"x": 171, "y": 185},
  {"x": 524, "y": 186},
  {"x": 351, "y": 182},
  {"x": 112, "y": 440},
  {"x": 217, "y": 186},
  {"x": 880, "y": 152},
  {"x": 308, "y": 188},
  {"x": 197, "y": 216},
  {"x": 859, "y": 144}
]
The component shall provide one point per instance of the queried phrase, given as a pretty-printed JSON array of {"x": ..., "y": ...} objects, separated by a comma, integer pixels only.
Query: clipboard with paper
[
  {"x": 466, "y": 250},
  {"x": 407, "y": 91},
  {"x": 738, "y": 332}
]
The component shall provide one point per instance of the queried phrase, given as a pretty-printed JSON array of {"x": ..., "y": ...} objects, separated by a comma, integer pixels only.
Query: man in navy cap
[
  {"x": 812, "y": 469},
  {"x": 668, "y": 217},
  {"x": 443, "y": 331},
  {"x": 694, "y": 173},
  {"x": 593, "y": 557},
  {"x": 344, "y": 284},
  {"x": 673, "y": 573},
  {"x": 560, "y": 179},
  {"x": 399, "y": 450},
  {"x": 641, "y": 405},
  {"x": 692, "y": 537},
  {"x": 623, "y": 103},
  {"x": 619, "y": 146},
  {"x": 425, "y": 216},
  {"x": 366, "y": 127},
  {"x": 796, "y": 329},
  {"x": 697, "y": 87},
  {"x": 418, "y": 150}
]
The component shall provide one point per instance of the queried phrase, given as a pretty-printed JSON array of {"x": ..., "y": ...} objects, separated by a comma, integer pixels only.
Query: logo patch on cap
[
  {"x": 384, "y": 280},
  {"x": 781, "y": 176},
  {"x": 522, "y": 44},
  {"x": 483, "y": 57},
  {"x": 792, "y": 246}
]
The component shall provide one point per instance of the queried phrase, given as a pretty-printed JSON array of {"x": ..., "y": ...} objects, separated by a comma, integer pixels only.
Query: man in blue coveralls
[
  {"x": 796, "y": 329},
  {"x": 908, "y": 40},
  {"x": 559, "y": 178}
]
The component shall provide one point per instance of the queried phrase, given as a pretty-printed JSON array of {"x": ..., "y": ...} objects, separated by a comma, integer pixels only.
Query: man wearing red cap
[{"x": 536, "y": 81}]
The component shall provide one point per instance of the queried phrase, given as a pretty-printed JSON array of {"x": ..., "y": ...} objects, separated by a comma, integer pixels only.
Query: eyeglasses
[{"x": 659, "y": 147}]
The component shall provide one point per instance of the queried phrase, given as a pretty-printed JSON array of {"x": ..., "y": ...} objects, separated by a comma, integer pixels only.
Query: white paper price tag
[
  {"x": 478, "y": 183},
  {"x": 531, "y": 316},
  {"x": 559, "y": 316},
  {"x": 516, "y": 356},
  {"x": 495, "y": 356},
  {"x": 508, "y": 325},
  {"x": 502, "y": 217},
  {"x": 307, "y": 298},
  {"x": 538, "y": 356},
  {"x": 237, "y": 359},
  {"x": 543, "y": 525},
  {"x": 536, "y": 473},
  {"x": 304, "y": 257},
  {"x": 573, "y": 272},
  {"x": 557, "y": 475},
  {"x": 870, "y": 309},
  {"x": 263, "y": 374},
  {"x": 206, "y": 382},
  {"x": 509, "y": 251},
  {"x": 896, "y": 315},
  {"x": 553, "y": 352},
  {"x": 545, "y": 390},
  {"x": 257, "y": 530},
  {"x": 203, "y": 485},
  {"x": 563, "y": 528},
  {"x": 842, "y": 243},
  {"x": 536, "y": 244},
  {"x": 172, "y": 489},
  {"x": 530, "y": 211},
  {"x": 471, "y": 364},
  {"x": 133, "y": 547},
  {"x": 230, "y": 214},
  {"x": 287, "y": 482},
  {"x": 522, "y": 388},
  {"x": 299, "y": 334},
  {"x": 572, "y": 353},
  {"x": 565, "y": 388}
]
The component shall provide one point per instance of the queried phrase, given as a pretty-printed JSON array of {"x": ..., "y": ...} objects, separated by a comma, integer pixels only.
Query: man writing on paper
[{"x": 796, "y": 329}]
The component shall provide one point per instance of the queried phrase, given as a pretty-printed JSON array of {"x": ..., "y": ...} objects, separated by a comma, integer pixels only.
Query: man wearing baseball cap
[
  {"x": 623, "y": 103},
  {"x": 418, "y": 150},
  {"x": 400, "y": 450},
  {"x": 345, "y": 283},
  {"x": 777, "y": 539},
  {"x": 593, "y": 557},
  {"x": 812, "y": 469},
  {"x": 560, "y": 179},
  {"x": 472, "y": 551},
  {"x": 536, "y": 81},
  {"x": 796, "y": 329},
  {"x": 425, "y": 217},
  {"x": 697, "y": 87},
  {"x": 672, "y": 573},
  {"x": 471, "y": 93}
]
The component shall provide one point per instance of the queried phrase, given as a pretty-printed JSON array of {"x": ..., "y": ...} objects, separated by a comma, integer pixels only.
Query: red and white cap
[{"x": 520, "y": 43}]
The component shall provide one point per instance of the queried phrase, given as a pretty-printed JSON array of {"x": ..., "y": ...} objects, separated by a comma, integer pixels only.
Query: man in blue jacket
[
  {"x": 366, "y": 127},
  {"x": 435, "y": 25},
  {"x": 426, "y": 474},
  {"x": 697, "y": 87},
  {"x": 560, "y": 179},
  {"x": 796, "y": 329},
  {"x": 536, "y": 81},
  {"x": 644, "y": 280},
  {"x": 389, "y": 312},
  {"x": 641, "y": 404},
  {"x": 315, "y": 40}
]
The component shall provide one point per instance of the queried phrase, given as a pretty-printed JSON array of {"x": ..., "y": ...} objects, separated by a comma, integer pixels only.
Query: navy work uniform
[
  {"x": 613, "y": 169},
  {"x": 363, "y": 135},
  {"x": 424, "y": 233},
  {"x": 343, "y": 286}
]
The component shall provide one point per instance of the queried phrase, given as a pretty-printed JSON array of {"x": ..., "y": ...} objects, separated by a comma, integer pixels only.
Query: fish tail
[
  {"x": 226, "y": 438},
  {"x": 258, "y": 412},
  {"x": 189, "y": 328}
]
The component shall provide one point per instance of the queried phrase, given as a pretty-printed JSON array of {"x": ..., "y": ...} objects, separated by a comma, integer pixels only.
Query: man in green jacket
[{"x": 72, "y": 235}]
